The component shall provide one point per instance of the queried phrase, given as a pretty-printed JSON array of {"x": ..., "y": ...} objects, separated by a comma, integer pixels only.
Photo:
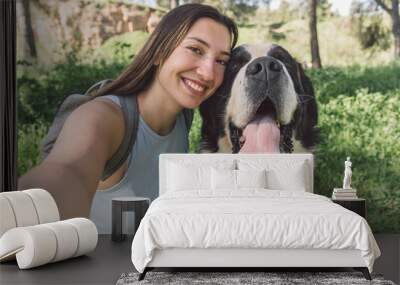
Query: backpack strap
[
  {"x": 64, "y": 110},
  {"x": 131, "y": 117},
  {"x": 98, "y": 86}
]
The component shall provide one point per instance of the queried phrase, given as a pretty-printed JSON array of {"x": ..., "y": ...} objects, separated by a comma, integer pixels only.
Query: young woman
[{"x": 180, "y": 66}]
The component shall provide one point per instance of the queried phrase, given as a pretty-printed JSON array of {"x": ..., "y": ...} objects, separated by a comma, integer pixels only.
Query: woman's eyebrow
[{"x": 207, "y": 45}]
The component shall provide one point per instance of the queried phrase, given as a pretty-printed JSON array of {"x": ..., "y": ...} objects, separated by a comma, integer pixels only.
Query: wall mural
[{"x": 64, "y": 47}]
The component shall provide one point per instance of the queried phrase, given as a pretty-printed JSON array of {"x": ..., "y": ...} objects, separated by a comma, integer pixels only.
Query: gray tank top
[{"x": 141, "y": 176}]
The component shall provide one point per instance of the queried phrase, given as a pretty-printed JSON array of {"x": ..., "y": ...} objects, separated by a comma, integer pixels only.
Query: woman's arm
[{"x": 72, "y": 170}]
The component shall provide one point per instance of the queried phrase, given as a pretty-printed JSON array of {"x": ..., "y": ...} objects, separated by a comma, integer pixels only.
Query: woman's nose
[{"x": 206, "y": 69}]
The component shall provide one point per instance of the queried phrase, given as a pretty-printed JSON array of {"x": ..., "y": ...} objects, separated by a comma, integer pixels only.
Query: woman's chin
[{"x": 191, "y": 103}]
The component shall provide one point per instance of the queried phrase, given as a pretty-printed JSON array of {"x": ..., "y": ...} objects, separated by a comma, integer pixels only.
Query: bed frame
[{"x": 242, "y": 259}]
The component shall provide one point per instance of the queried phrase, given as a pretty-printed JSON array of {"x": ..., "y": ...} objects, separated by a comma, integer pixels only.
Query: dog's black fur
[{"x": 256, "y": 75}]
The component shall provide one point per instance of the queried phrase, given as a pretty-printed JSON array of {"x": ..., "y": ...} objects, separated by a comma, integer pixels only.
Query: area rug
[{"x": 244, "y": 278}]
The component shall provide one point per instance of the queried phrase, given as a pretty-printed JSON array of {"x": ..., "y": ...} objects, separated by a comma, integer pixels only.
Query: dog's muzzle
[{"x": 263, "y": 76}]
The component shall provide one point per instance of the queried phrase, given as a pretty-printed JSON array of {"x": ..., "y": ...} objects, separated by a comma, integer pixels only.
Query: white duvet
[{"x": 253, "y": 218}]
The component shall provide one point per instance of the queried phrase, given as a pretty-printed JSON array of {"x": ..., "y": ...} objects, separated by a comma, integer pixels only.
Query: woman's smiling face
[{"x": 195, "y": 69}]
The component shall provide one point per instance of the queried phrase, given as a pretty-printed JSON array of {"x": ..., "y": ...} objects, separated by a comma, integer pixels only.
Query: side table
[
  {"x": 358, "y": 205},
  {"x": 139, "y": 205}
]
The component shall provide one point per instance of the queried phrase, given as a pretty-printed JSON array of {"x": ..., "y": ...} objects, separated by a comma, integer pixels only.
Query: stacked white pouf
[{"x": 31, "y": 230}]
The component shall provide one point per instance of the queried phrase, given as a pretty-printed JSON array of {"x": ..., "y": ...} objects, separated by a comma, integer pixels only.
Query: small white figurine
[{"x": 347, "y": 174}]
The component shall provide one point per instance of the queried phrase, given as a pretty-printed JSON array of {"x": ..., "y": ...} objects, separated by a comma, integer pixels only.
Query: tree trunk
[
  {"x": 394, "y": 14},
  {"x": 315, "y": 58},
  {"x": 28, "y": 28},
  {"x": 396, "y": 27}
]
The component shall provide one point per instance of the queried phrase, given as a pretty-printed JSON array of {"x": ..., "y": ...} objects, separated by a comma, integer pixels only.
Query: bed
[{"x": 247, "y": 210}]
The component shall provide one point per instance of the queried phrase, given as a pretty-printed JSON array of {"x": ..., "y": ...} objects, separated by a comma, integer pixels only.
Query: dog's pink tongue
[{"x": 262, "y": 136}]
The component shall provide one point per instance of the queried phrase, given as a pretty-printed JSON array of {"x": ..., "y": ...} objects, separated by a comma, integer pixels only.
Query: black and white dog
[{"x": 265, "y": 104}]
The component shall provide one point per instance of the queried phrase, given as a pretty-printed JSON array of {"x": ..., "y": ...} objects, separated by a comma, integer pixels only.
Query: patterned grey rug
[{"x": 243, "y": 278}]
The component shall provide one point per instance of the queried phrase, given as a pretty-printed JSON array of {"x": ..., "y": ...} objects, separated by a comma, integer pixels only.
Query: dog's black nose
[
  {"x": 254, "y": 68},
  {"x": 263, "y": 64},
  {"x": 274, "y": 66}
]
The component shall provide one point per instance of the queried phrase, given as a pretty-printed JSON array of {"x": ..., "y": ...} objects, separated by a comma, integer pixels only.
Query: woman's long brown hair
[{"x": 166, "y": 37}]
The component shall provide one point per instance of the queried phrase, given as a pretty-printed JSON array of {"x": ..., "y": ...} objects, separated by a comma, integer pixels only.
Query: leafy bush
[
  {"x": 333, "y": 81},
  {"x": 121, "y": 48},
  {"x": 195, "y": 132},
  {"x": 366, "y": 128},
  {"x": 29, "y": 140},
  {"x": 40, "y": 95}
]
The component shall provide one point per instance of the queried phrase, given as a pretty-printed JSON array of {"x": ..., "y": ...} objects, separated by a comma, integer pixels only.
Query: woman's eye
[
  {"x": 195, "y": 50},
  {"x": 222, "y": 62}
]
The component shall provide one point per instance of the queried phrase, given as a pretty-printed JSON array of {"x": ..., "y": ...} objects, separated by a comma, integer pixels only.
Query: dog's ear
[
  {"x": 209, "y": 126},
  {"x": 307, "y": 112},
  {"x": 212, "y": 112}
]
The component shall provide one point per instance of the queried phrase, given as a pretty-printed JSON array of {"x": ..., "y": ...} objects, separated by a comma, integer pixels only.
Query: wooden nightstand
[{"x": 358, "y": 206}]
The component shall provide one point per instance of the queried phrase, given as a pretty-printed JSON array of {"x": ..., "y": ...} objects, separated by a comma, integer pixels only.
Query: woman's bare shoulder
[
  {"x": 103, "y": 115},
  {"x": 95, "y": 128}
]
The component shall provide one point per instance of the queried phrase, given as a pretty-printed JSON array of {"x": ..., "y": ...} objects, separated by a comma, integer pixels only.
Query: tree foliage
[
  {"x": 368, "y": 26},
  {"x": 240, "y": 10},
  {"x": 392, "y": 8}
]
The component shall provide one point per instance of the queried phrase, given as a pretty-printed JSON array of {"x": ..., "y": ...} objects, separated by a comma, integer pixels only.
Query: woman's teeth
[{"x": 195, "y": 86}]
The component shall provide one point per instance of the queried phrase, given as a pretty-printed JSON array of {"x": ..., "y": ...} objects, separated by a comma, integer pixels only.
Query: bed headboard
[{"x": 212, "y": 158}]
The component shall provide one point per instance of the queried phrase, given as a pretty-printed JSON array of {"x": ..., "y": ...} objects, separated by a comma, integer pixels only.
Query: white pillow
[
  {"x": 282, "y": 174},
  {"x": 293, "y": 180},
  {"x": 181, "y": 177},
  {"x": 187, "y": 174},
  {"x": 251, "y": 178},
  {"x": 237, "y": 179},
  {"x": 223, "y": 179}
]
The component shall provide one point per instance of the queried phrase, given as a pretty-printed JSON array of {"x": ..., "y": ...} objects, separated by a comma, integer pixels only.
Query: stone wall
[{"x": 59, "y": 25}]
